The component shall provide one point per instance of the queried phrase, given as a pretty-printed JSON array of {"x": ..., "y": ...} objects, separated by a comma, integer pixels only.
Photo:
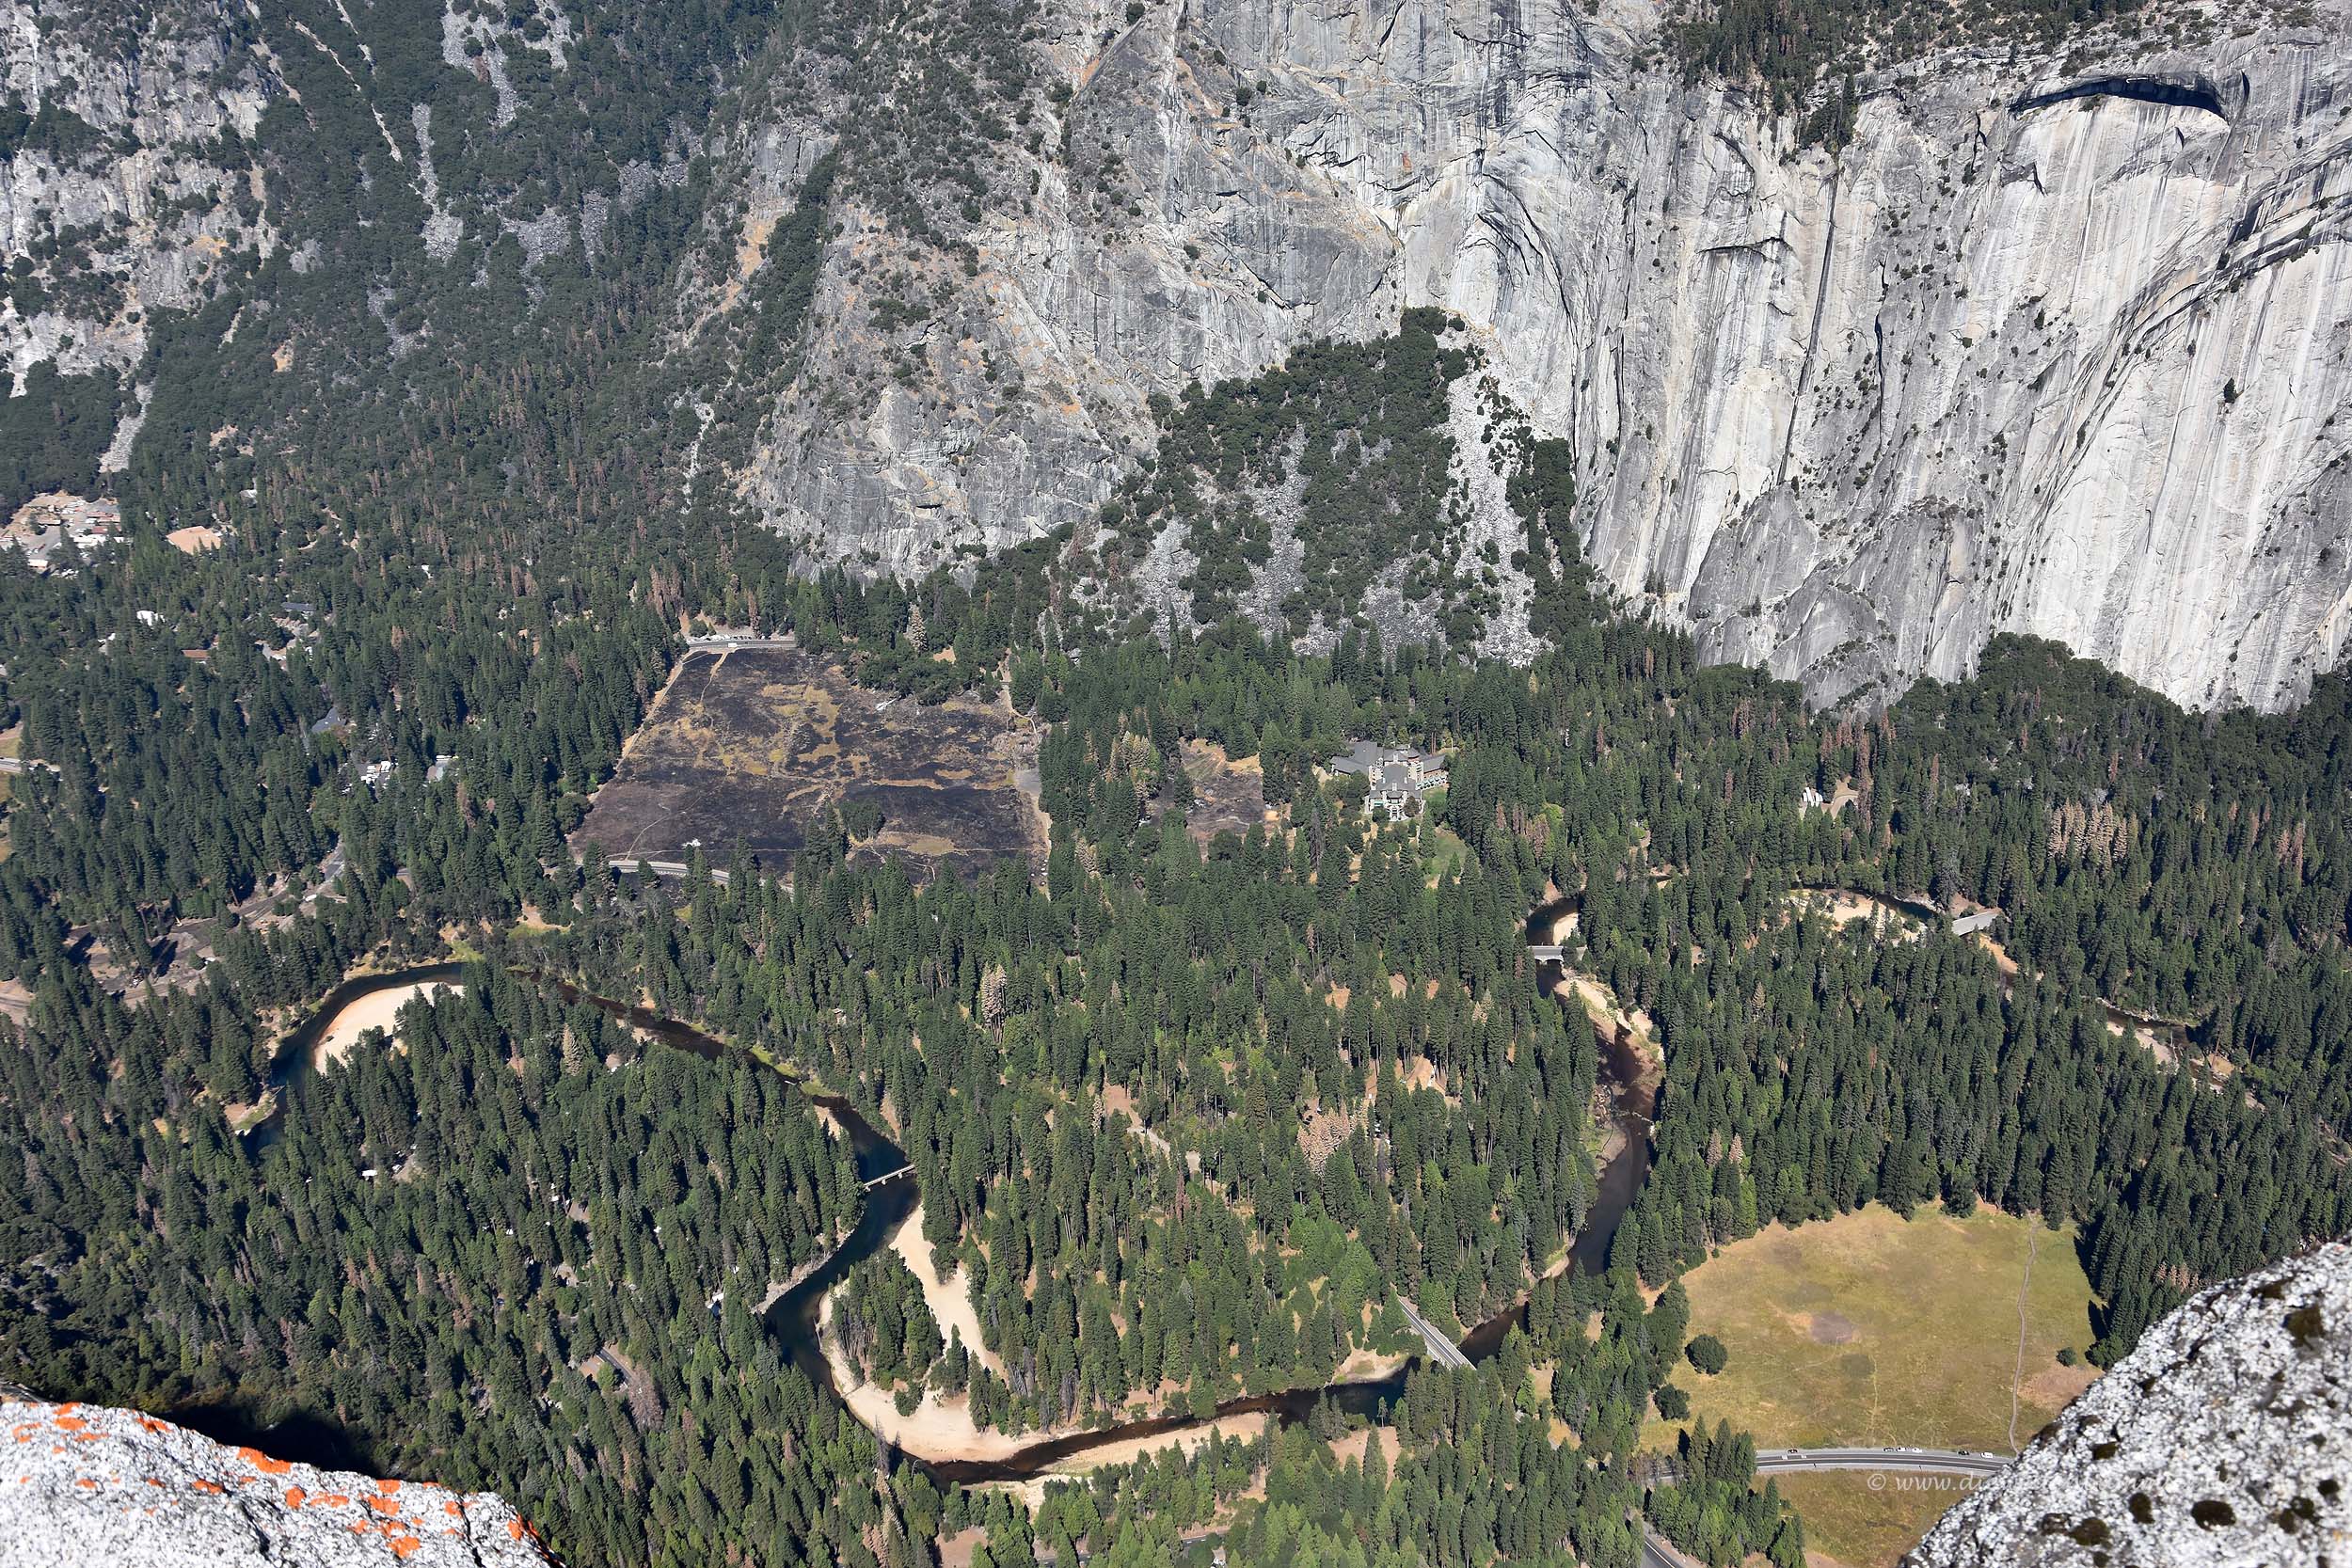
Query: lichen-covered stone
[
  {"x": 83, "y": 1485},
  {"x": 2223, "y": 1441}
]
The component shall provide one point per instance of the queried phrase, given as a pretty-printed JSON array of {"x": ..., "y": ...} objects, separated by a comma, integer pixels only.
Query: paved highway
[
  {"x": 1658, "y": 1552},
  {"x": 1947, "y": 1462},
  {"x": 1950, "y": 1462},
  {"x": 1442, "y": 1350}
]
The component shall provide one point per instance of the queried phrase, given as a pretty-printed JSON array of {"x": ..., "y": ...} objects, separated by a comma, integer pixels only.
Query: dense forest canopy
[
  {"x": 1187, "y": 1114},
  {"x": 1808, "y": 1070}
]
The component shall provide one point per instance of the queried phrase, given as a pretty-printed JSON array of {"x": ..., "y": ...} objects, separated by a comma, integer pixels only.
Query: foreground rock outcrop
[
  {"x": 2224, "y": 1440},
  {"x": 83, "y": 1485}
]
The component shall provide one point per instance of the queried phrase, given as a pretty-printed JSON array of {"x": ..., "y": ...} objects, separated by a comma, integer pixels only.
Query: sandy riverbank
[
  {"x": 1601, "y": 1005},
  {"x": 1191, "y": 1438},
  {"x": 940, "y": 1428},
  {"x": 1031, "y": 1490},
  {"x": 1367, "y": 1365},
  {"x": 949, "y": 1298},
  {"x": 376, "y": 1010}
]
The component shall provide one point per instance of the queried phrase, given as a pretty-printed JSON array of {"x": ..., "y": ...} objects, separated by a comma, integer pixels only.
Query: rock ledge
[
  {"x": 2224, "y": 1440},
  {"x": 85, "y": 1484}
]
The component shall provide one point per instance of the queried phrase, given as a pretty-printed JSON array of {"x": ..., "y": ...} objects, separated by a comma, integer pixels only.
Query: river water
[
  {"x": 793, "y": 1315},
  {"x": 292, "y": 1069},
  {"x": 1633, "y": 1101}
]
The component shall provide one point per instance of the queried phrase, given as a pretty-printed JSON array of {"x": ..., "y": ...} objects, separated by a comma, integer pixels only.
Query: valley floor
[{"x": 1871, "y": 1329}]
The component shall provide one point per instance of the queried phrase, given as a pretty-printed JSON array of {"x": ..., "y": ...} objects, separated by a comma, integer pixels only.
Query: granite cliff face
[
  {"x": 2052, "y": 345},
  {"x": 87, "y": 1485},
  {"x": 125, "y": 187},
  {"x": 130, "y": 187},
  {"x": 2058, "y": 343},
  {"x": 2220, "y": 1440}
]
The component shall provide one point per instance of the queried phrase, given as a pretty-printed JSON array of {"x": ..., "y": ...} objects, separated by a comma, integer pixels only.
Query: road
[
  {"x": 1949, "y": 1462},
  {"x": 663, "y": 868},
  {"x": 1658, "y": 1552},
  {"x": 1441, "y": 1350}
]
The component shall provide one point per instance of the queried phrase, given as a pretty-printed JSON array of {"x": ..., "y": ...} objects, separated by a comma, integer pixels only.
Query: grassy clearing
[
  {"x": 1847, "y": 1525},
  {"x": 1452, "y": 855},
  {"x": 1869, "y": 1330}
]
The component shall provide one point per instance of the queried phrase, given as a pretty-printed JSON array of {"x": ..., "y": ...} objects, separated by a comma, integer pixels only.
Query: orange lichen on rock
[{"x": 77, "y": 1503}]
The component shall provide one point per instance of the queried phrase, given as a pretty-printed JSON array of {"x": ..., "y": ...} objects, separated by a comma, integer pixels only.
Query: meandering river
[
  {"x": 793, "y": 1314},
  {"x": 1625, "y": 1079}
]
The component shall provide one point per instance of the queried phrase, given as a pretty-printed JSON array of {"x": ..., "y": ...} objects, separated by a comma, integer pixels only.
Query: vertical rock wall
[{"x": 2036, "y": 351}]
